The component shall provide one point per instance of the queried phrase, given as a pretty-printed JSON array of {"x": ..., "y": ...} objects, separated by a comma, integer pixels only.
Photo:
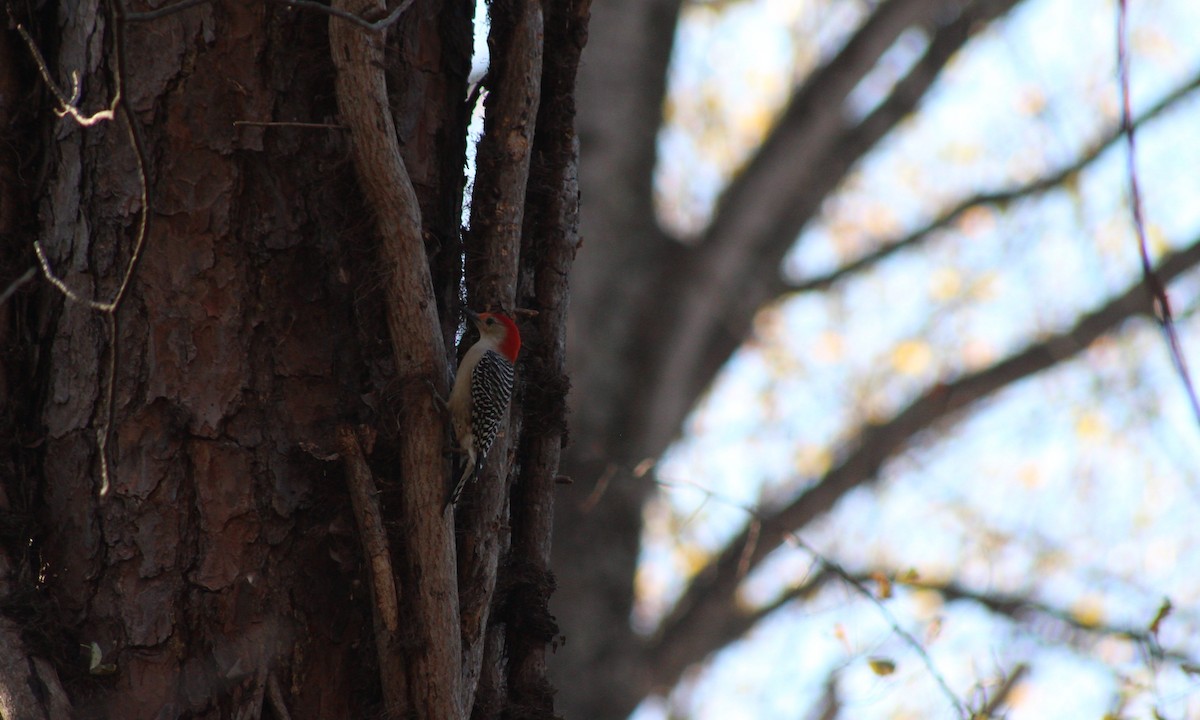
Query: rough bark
[
  {"x": 300, "y": 277},
  {"x": 551, "y": 238},
  {"x": 208, "y": 562}
]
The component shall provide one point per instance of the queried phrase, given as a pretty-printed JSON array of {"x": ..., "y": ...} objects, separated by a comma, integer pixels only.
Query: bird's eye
[{"x": 490, "y": 321}]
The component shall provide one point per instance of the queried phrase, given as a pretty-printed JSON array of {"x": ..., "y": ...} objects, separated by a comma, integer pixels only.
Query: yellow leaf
[
  {"x": 885, "y": 585},
  {"x": 812, "y": 460},
  {"x": 691, "y": 558},
  {"x": 912, "y": 357},
  {"x": 945, "y": 284},
  {"x": 881, "y": 666},
  {"x": 1088, "y": 612},
  {"x": 1089, "y": 426}
]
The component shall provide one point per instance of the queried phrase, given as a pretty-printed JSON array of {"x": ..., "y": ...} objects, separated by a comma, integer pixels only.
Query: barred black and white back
[{"x": 491, "y": 389}]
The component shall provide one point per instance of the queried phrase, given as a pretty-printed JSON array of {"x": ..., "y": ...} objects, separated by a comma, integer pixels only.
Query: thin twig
[
  {"x": 908, "y": 638},
  {"x": 28, "y": 275},
  {"x": 1057, "y": 178},
  {"x": 274, "y": 123},
  {"x": 68, "y": 102},
  {"x": 164, "y": 11},
  {"x": 1154, "y": 284},
  {"x": 364, "y": 498},
  {"x": 107, "y": 308},
  {"x": 275, "y": 696},
  {"x": 60, "y": 284},
  {"x": 855, "y": 584},
  {"x": 997, "y": 700},
  {"x": 376, "y": 26},
  {"x": 104, "y": 433}
]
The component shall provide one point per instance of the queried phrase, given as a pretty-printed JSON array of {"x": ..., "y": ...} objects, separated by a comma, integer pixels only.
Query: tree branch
[
  {"x": 364, "y": 499},
  {"x": 630, "y": 313},
  {"x": 434, "y": 653},
  {"x": 999, "y": 698},
  {"x": 1153, "y": 283},
  {"x": 373, "y": 26},
  {"x": 710, "y": 599},
  {"x": 737, "y": 268},
  {"x": 551, "y": 238},
  {"x": 814, "y": 117},
  {"x": 887, "y": 248},
  {"x": 379, "y": 25},
  {"x": 492, "y": 259}
]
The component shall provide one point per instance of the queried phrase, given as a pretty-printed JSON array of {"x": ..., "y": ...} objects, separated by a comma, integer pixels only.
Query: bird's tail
[{"x": 469, "y": 470}]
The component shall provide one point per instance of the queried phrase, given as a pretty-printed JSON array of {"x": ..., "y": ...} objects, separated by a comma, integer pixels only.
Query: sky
[{"x": 1078, "y": 487}]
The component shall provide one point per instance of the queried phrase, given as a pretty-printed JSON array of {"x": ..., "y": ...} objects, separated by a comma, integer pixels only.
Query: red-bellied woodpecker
[{"x": 482, "y": 389}]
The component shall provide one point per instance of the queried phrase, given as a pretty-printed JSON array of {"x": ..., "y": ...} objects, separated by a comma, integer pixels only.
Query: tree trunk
[{"x": 222, "y": 556}]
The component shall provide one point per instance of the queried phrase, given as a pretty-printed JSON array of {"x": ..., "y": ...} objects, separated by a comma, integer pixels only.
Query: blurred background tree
[
  {"x": 859, "y": 344},
  {"x": 871, "y": 416}
]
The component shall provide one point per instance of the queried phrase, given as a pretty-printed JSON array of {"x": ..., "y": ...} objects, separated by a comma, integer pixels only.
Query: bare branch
[
  {"x": 1153, "y": 283},
  {"x": 17, "y": 284},
  {"x": 1000, "y": 697},
  {"x": 831, "y": 703},
  {"x": 373, "y": 26},
  {"x": 280, "y": 123},
  {"x": 59, "y": 284},
  {"x": 1018, "y": 607},
  {"x": 133, "y": 130},
  {"x": 419, "y": 353},
  {"x": 915, "y": 645},
  {"x": 710, "y": 599},
  {"x": 734, "y": 624},
  {"x": 376, "y": 26},
  {"x": 551, "y": 238},
  {"x": 275, "y": 697},
  {"x": 813, "y": 119},
  {"x": 67, "y": 102},
  {"x": 1043, "y": 184},
  {"x": 164, "y": 11},
  {"x": 717, "y": 289},
  {"x": 364, "y": 499}
]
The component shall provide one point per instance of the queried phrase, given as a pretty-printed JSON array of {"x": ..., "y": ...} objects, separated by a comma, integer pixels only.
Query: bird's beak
[{"x": 473, "y": 317}]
